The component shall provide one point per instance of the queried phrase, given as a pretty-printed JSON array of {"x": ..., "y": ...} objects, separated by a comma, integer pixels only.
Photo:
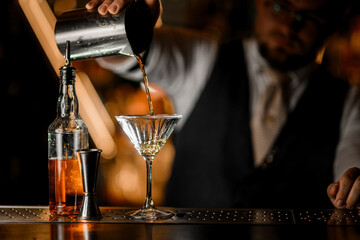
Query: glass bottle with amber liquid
[{"x": 66, "y": 134}]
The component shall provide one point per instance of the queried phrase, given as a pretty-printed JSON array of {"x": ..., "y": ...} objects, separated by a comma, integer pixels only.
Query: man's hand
[
  {"x": 346, "y": 192},
  {"x": 114, "y": 6}
]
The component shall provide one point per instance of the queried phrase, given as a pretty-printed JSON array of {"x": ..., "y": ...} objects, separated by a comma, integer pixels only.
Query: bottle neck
[{"x": 68, "y": 105}]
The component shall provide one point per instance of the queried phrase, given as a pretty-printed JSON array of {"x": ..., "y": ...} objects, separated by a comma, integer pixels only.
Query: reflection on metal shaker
[{"x": 92, "y": 35}]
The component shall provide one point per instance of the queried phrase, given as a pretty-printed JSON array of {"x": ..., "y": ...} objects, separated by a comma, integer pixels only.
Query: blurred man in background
[{"x": 263, "y": 124}]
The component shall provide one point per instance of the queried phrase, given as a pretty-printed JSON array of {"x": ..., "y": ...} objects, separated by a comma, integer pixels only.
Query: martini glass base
[{"x": 150, "y": 214}]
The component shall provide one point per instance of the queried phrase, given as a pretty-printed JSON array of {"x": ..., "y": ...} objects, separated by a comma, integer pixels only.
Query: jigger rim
[{"x": 89, "y": 150}]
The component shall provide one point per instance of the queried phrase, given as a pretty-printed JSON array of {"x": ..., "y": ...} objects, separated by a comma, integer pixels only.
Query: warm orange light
[
  {"x": 89, "y": 112},
  {"x": 320, "y": 55}
]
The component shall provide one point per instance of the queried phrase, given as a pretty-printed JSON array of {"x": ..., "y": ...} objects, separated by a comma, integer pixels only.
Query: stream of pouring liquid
[{"x": 146, "y": 83}]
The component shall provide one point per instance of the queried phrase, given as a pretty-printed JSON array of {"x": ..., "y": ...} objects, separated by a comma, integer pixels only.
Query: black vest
[{"x": 214, "y": 165}]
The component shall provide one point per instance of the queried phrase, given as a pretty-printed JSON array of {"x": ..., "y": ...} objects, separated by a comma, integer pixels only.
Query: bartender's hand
[
  {"x": 346, "y": 192},
  {"x": 114, "y": 6}
]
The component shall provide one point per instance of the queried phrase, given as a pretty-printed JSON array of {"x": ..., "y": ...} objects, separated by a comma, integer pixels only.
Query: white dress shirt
[{"x": 181, "y": 61}]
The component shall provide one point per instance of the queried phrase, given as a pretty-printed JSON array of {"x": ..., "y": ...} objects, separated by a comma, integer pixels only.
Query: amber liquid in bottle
[{"x": 65, "y": 186}]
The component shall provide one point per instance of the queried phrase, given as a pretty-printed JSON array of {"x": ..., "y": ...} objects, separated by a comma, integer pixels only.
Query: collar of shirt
[{"x": 261, "y": 75}]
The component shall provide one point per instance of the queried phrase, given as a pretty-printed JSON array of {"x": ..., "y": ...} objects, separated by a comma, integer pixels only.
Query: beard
[
  {"x": 280, "y": 59},
  {"x": 294, "y": 54}
]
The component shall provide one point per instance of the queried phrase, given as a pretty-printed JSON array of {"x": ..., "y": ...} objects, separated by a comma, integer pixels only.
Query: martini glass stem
[{"x": 148, "y": 202}]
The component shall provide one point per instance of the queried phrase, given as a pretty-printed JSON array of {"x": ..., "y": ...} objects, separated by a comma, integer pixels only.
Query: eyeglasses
[{"x": 282, "y": 11}]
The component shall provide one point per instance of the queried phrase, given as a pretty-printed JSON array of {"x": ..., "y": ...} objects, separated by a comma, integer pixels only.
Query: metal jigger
[{"x": 89, "y": 159}]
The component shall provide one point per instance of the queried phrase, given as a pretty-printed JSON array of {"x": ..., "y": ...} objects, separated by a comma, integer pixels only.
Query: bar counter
[{"x": 34, "y": 222}]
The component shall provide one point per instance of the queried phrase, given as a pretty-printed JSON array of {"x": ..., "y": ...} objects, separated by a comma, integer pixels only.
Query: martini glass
[{"x": 148, "y": 134}]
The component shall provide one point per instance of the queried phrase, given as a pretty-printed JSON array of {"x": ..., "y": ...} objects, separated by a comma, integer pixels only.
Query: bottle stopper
[{"x": 67, "y": 72}]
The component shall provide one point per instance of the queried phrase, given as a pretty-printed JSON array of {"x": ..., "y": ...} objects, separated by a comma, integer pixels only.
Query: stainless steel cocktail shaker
[{"x": 93, "y": 35}]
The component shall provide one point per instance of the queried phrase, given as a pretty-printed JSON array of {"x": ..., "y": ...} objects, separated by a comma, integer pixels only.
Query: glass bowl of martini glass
[{"x": 148, "y": 134}]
